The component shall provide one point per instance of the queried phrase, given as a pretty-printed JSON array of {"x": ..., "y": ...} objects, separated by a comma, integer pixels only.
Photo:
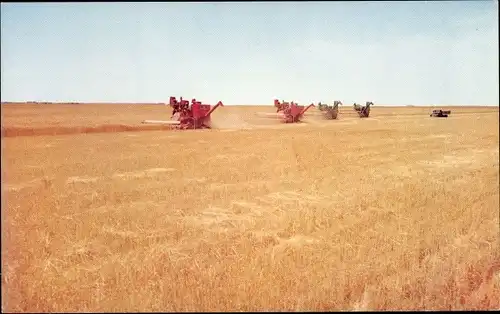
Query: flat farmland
[{"x": 397, "y": 211}]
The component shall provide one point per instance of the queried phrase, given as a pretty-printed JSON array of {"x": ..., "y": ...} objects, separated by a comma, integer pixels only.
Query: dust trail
[
  {"x": 314, "y": 116},
  {"x": 230, "y": 121}
]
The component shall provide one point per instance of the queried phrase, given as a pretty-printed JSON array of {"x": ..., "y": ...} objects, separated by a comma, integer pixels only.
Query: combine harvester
[
  {"x": 288, "y": 112},
  {"x": 330, "y": 112},
  {"x": 363, "y": 111},
  {"x": 188, "y": 116}
]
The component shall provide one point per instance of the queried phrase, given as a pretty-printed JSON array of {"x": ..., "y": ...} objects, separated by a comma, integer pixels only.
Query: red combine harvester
[
  {"x": 290, "y": 112},
  {"x": 189, "y": 116}
]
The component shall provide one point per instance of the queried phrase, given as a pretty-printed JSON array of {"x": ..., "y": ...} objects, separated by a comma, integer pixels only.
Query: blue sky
[{"x": 392, "y": 53}]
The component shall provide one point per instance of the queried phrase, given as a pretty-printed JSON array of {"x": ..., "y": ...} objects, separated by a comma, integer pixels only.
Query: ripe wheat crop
[{"x": 396, "y": 211}]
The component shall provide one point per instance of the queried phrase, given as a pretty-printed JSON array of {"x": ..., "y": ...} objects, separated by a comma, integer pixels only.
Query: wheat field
[{"x": 398, "y": 211}]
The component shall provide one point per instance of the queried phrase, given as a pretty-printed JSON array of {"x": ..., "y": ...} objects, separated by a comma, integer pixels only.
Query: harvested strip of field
[{"x": 61, "y": 130}]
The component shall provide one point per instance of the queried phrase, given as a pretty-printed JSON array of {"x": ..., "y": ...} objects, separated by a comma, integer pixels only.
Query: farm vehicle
[
  {"x": 185, "y": 115},
  {"x": 330, "y": 112},
  {"x": 363, "y": 111},
  {"x": 440, "y": 113},
  {"x": 290, "y": 112}
]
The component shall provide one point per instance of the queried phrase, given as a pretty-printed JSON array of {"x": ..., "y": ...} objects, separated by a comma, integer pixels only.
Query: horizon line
[{"x": 245, "y": 105}]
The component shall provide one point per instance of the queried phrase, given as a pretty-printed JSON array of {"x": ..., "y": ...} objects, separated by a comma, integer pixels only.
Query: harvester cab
[
  {"x": 281, "y": 106},
  {"x": 178, "y": 106},
  {"x": 290, "y": 112}
]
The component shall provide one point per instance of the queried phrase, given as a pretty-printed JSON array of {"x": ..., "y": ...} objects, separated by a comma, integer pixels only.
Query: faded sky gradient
[{"x": 392, "y": 53}]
